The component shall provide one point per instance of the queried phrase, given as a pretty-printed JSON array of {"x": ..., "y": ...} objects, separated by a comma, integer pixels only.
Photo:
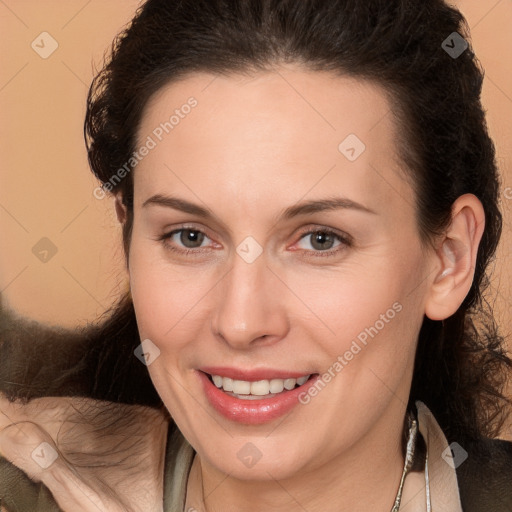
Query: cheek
[
  {"x": 165, "y": 298},
  {"x": 363, "y": 293},
  {"x": 376, "y": 319},
  {"x": 368, "y": 318}
]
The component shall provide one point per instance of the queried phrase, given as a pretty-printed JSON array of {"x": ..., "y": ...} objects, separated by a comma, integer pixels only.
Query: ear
[
  {"x": 455, "y": 258},
  {"x": 120, "y": 208}
]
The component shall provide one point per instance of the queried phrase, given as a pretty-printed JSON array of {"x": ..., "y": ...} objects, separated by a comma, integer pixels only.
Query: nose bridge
[{"x": 248, "y": 308}]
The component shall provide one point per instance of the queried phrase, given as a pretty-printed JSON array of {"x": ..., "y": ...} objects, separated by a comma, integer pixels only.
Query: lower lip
[{"x": 253, "y": 412}]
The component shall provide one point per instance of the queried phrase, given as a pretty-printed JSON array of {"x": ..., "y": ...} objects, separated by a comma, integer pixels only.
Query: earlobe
[
  {"x": 455, "y": 258},
  {"x": 120, "y": 208}
]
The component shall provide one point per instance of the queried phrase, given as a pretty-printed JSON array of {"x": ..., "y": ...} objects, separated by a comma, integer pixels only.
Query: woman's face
[{"x": 275, "y": 285}]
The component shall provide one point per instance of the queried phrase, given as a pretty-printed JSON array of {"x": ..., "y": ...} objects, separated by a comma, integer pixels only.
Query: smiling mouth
[{"x": 257, "y": 390}]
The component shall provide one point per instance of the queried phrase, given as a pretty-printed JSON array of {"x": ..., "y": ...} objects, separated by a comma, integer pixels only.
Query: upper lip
[{"x": 252, "y": 375}]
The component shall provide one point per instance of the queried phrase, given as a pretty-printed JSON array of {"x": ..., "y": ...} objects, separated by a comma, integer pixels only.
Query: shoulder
[{"x": 485, "y": 477}]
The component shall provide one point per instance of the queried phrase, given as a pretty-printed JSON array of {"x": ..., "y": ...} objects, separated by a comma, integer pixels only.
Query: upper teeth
[{"x": 260, "y": 387}]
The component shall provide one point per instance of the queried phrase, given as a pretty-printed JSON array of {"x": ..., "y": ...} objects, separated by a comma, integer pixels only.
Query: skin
[{"x": 254, "y": 146}]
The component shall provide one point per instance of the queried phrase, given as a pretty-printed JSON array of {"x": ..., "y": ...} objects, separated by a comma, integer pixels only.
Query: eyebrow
[{"x": 304, "y": 208}]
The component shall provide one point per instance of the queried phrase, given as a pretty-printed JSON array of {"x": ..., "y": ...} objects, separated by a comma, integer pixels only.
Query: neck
[{"x": 365, "y": 478}]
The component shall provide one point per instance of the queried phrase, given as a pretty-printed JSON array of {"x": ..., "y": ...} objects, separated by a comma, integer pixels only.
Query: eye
[
  {"x": 323, "y": 240},
  {"x": 190, "y": 239},
  {"x": 187, "y": 240}
]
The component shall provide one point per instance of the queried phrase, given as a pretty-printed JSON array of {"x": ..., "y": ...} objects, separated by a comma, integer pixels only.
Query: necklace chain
[{"x": 409, "y": 460}]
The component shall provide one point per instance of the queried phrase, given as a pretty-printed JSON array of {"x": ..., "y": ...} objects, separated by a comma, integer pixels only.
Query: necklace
[{"x": 409, "y": 459}]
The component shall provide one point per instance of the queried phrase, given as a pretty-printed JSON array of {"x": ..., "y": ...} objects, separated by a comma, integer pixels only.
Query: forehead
[{"x": 283, "y": 132}]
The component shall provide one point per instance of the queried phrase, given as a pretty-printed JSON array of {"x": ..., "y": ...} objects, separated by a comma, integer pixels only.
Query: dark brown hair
[{"x": 461, "y": 365}]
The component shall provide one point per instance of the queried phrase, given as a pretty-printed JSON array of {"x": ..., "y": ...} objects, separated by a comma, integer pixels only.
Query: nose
[{"x": 250, "y": 306}]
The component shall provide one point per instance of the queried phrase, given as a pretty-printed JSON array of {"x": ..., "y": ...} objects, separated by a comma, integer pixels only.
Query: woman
[{"x": 308, "y": 197}]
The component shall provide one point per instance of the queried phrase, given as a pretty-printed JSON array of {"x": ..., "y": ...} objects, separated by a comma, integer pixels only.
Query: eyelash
[{"x": 346, "y": 241}]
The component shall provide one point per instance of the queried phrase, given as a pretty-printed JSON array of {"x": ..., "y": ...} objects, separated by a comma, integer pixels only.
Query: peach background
[{"x": 47, "y": 188}]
